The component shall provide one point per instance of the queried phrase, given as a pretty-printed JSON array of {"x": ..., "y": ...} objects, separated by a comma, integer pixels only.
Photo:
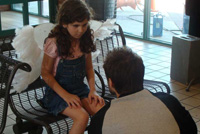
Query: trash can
[
  {"x": 104, "y": 9},
  {"x": 185, "y": 60},
  {"x": 157, "y": 25},
  {"x": 186, "y": 20}
]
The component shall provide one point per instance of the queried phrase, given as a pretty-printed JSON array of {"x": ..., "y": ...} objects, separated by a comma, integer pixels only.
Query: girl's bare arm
[
  {"x": 91, "y": 81},
  {"x": 90, "y": 72},
  {"x": 47, "y": 75}
]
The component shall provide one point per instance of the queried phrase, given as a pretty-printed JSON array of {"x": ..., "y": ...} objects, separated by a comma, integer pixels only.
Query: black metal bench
[
  {"x": 118, "y": 40},
  {"x": 6, "y": 48},
  {"x": 31, "y": 117},
  {"x": 8, "y": 68}
]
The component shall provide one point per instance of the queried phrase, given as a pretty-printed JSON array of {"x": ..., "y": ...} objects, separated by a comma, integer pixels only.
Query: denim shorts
[{"x": 70, "y": 75}]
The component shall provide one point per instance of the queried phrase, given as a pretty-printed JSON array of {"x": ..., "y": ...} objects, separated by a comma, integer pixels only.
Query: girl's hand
[
  {"x": 73, "y": 101},
  {"x": 93, "y": 96}
]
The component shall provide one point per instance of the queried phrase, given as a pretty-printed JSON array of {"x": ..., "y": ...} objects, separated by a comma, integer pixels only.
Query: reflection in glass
[
  {"x": 174, "y": 21},
  {"x": 130, "y": 15},
  {"x": 167, "y": 18}
]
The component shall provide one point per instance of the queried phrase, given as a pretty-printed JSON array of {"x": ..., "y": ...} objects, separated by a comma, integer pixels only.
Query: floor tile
[
  {"x": 191, "y": 101},
  {"x": 198, "y": 126},
  {"x": 147, "y": 77},
  {"x": 8, "y": 130},
  {"x": 165, "y": 70},
  {"x": 179, "y": 96},
  {"x": 12, "y": 116},
  {"x": 178, "y": 83},
  {"x": 153, "y": 56},
  {"x": 192, "y": 92},
  {"x": 156, "y": 51},
  {"x": 175, "y": 87},
  {"x": 195, "y": 113},
  {"x": 164, "y": 59},
  {"x": 156, "y": 74},
  {"x": 148, "y": 71},
  {"x": 196, "y": 86},
  {"x": 164, "y": 64},
  {"x": 155, "y": 67},
  {"x": 144, "y": 58},
  {"x": 158, "y": 79},
  {"x": 161, "y": 53},
  {"x": 154, "y": 61},
  {"x": 187, "y": 107},
  {"x": 195, "y": 119},
  {"x": 9, "y": 111},
  {"x": 140, "y": 53},
  {"x": 197, "y": 96},
  {"x": 9, "y": 121},
  {"x": 146, "y": 64}
]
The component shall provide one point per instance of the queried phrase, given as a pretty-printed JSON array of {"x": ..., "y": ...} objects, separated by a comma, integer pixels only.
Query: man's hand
[{"x": 94, "y": 97}]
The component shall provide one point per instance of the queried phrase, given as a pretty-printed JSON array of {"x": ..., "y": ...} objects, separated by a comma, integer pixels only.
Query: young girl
[{"x": 67, "y": 60}]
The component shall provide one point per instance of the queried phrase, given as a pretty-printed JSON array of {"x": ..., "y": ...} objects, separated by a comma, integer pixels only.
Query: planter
[{"x": 104, "y": 9}]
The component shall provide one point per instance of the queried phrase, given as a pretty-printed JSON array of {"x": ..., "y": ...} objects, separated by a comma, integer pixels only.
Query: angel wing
[
  {"x": 28, "y": 44},
  {"x": 101, "y": 29}
]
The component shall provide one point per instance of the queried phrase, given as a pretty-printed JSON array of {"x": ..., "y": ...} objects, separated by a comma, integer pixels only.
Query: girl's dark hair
[
  {"x": 126, "y": 70},
  {"x": 70, "y": 12}
]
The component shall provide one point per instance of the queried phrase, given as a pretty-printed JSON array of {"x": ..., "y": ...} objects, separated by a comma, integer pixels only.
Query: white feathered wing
[{"x": 28, "y": 44}]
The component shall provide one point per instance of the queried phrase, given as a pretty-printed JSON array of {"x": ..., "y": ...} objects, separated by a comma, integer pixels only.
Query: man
[{"x": 136, "y": 110}]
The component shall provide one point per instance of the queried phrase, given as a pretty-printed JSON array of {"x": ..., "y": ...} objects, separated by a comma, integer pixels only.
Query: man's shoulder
[
  {"x": 182, "y": 116},
  {"x": 165, "y": 97}
]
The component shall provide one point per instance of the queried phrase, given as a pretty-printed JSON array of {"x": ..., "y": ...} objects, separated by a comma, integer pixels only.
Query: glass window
[
  {"x": 130, "y": 15},
  {"x": 163, "y": 19},
  {"x": 45, "y": 8},
  {"x": 17, "y": 7},
  {"x": 40, "y": 8},
  {"x": 33, "y": 7},
  {"x": 168, "y": 19},
  {"x": 11, "y": 20}
]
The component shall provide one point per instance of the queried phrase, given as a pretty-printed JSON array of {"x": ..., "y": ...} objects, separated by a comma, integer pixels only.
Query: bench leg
[
  {"x": 22, "y": 127},
  {"x": 37, "y": 130},
  {"x": 193, "y": 81}
]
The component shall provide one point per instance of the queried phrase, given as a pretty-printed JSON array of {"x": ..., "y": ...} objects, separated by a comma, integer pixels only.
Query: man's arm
[
  {"x": 181, "y": 115},
  {"x": 97, "y": 121}
]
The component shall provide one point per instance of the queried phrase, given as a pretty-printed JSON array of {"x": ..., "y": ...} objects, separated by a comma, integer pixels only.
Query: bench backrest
[{"x": 8, "y": 68}]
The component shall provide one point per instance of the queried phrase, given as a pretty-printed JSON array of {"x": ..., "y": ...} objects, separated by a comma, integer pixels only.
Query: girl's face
[{"x": 77, "y": 29}]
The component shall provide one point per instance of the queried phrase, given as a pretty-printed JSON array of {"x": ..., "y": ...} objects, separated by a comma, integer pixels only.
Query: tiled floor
[{"x": 157, "y": 59}]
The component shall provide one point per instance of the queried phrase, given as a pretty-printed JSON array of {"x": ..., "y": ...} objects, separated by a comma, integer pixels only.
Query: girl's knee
[
  {"x": 96, "y": 108},
  {"x": 82, "y": 116}
]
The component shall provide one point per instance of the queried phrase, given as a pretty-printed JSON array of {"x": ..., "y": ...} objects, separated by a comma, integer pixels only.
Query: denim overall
[{"x": 70, "y": 75}]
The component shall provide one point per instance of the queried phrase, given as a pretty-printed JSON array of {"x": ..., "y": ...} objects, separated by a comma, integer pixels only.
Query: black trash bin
[
  {"x": 185, "y": 63},
  {"x": 104, "y": 9}
]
